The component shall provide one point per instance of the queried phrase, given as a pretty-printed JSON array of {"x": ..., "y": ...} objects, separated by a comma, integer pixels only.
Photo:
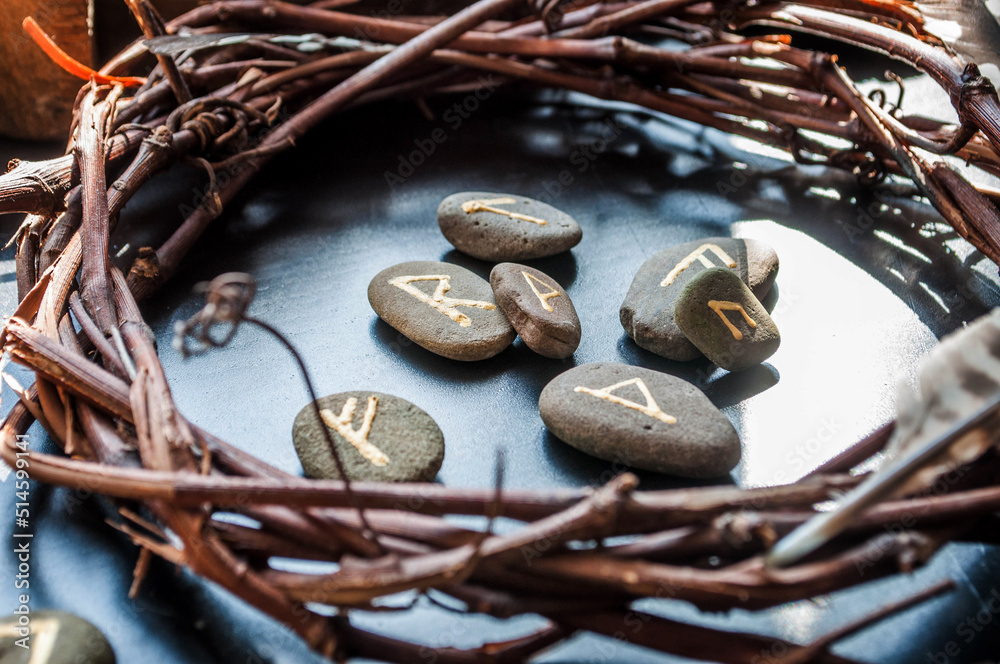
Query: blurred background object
[
  {"x": 971, "y": 27},
  {"x": 36, "y": 96}
]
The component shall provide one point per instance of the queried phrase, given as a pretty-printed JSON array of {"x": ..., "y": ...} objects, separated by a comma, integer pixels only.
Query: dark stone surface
[
  {"x": 409, "y": 439},
  {"x": 647, "y": 313},
  {"x": 68, "y": 639},
  {"x": 674, "y": 429},
  {"x": 742, "y": 343},
  {"x": 425, "y": 309},
  {"x": 493, "y": 236},
  {"x": 868, "y": 284},
  {"x": 548, "y": 324}
]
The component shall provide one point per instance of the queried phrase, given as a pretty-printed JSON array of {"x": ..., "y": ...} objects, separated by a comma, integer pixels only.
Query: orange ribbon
[{"x": 67, "y": 62}]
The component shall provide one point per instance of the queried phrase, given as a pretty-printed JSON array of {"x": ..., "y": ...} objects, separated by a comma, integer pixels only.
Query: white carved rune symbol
[
  {"x": 698, "y": 255},
  {"x": 438, "y": 300},
  {"x": 651, "y": 408},
  {"x": 543, "y": 298},
  {"x": 357, "y": 437},
  {"x": 718, "y": 306},
  {"x": 487, "y": 205}
]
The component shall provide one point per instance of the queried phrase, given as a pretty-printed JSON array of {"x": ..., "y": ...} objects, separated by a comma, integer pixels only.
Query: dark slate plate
[{"x": 864, "y": 290}]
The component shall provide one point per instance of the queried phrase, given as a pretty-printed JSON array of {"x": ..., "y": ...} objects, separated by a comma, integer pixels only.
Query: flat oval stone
[
  {"x": 380, "y": 438},
  {"x": 640, "y": 418},
  {"x": 505, "y": 227},
  {"x": 442, "y": 307},
  {"x": 68, "y": 639},
  {"x": 724, "y": 320},
  {"x": 647, "y": 313},
  {"x": 538, "y": 308}
]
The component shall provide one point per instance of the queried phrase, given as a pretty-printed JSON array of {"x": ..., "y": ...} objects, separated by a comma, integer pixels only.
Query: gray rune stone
[
  {"x": 647, "y": 313},
  {"x": 443, "y": 307},
  {"x": 724, "y": 320},
  {"x": 505, "y": 227},
  {"x": 640, "y": 418},
  {"x": 380, "y": 438},
  {"x": 538, "y": 308},
  {"x": 69, "y": 638}
]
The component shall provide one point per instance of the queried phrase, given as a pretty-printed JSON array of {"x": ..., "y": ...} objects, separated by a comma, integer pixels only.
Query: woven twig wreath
[{"x": 238, "y": 81}]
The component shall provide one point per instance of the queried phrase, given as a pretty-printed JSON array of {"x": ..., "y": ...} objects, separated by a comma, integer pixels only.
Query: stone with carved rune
[
  {"x": 647, "y": 313},
  {"x": 379, "y": 437},
  {"x": 724, "y": 320},
  {"x": 444, "y": 308},
  {"x": 640, "y": 418},
  {"x": 56, "y": 637},
  {"x": 538, "y": 308},
  {"x": 506, "y": 227}
]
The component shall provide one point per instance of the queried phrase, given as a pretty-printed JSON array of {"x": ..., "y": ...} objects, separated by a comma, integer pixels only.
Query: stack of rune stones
[
  {"x": 697, "y": 299},
  {"x": 694, "y": 299},
  {"x": 704, "y": 298}
]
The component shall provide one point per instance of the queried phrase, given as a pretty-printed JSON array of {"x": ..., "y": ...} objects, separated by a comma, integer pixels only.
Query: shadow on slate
[
  {"x": 594, "y": 472},
  {"x": 561, "y": 267}
]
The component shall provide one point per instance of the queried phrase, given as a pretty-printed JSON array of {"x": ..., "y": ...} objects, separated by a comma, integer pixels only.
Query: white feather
[
  {"x": 950, "y": 419},
  {"x": 954, "y": 381}
]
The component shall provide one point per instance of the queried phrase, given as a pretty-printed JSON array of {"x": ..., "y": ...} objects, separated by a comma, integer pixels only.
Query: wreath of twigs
[{"x": 238, "y": 81}]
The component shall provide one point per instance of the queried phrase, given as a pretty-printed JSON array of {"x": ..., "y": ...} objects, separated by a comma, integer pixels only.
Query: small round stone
[
  {"x": 640, "y": 418},
  {"x": 724, "y": 320},
  {"x": 442, "y": 307},
  {"x": 538, "y": 308},
  {"x": 68, "y": 639},
  {"x": 380, "y": 438},
  {"x": 505, "y": 227},
  {"x": 647, "y": 313}
]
